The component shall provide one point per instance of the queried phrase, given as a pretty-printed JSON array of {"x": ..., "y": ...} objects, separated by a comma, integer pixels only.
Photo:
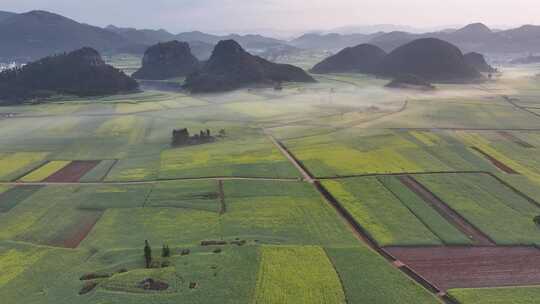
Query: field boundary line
[
  {"x": 223, "y": 207},
  {"x": 31, "y": 170},
  {"x": 109, "y": 170},
  {"x": 494, "y": 161},
  {"x": 145, "y": 182},
  {"x": 511, "y": 101},
  {"x": 337, "y": 273},
  {"x": 410, "y": 210},
  {"x": 514, "y": 189},
  {"x": 364, "y": 237},
  {"x": 399, "y": 174},
  {"x": 306, "y": 175}
]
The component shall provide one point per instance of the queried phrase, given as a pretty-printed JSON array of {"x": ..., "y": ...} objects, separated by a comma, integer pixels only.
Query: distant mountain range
[
  {"x": 5, "y": 15},
  {"x": 475, "y": 37},
  {"x": 37, "y": 34}
]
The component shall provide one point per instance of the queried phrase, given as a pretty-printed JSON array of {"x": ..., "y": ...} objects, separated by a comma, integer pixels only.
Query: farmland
[{"x": 340, "y": 191}]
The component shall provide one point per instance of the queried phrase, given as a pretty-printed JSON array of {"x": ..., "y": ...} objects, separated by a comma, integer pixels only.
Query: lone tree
[
  {"x": 147, "y": 254},
  {"x": 537, "y": 220},
  {"x": 165, "y": 251}
]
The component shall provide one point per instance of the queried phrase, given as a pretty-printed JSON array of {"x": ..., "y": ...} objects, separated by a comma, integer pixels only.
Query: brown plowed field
[
  {"x": 72, "y": 172},
  {"x": 496, "y": 162},
  {"x": 446, "y": 212},
  {"x": 74, "y": 235},
  {"x": 473, "y": 267}
]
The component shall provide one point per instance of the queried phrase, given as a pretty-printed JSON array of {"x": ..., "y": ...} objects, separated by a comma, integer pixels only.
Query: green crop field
[
  {"x": 517, "y": 295},
  {"x": 496, "y": 210},
  {"x": 242, "y": 222},
  {"x": 297, "y": 274},
  {"x": 363, "y": 272},
  {"x": 383, "y": 215}
]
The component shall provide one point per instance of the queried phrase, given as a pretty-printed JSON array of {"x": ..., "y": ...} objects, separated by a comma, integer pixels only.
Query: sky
[{"x": 285, "y": 15}]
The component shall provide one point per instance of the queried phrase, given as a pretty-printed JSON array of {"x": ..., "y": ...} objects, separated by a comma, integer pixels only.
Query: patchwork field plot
[
  {"x": 9, "y": 198},
  {"x": 257, "y": 157},
  {"x": 15, "y": 260},
  {"x": 368, "y": 278},
  {"x": 497, "y": 163},
  {"x": 354, "y": 152},
  {"x": 99, "y": 172},
  {"x": 72, "y": 172},
  {"x": 297, "y": 274},
  {"x": 494, "y": 209},
  {"x": 378, "y": 211},
  {"x": 447, "y": 213},
  {"x": 198, "y": 195},
  {"x": 15, "y": 165},
  {"x": 433, "y": 213},
  {"x": 447, "y": 182},
  {"x": 45, "y": 171},
  {"x": 281, "y": 213},
  {"x": 460, "y": 267}
]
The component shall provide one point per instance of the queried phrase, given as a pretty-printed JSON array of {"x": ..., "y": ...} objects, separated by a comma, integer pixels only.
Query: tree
[
  {"x": 147, "y": 254},
  {"x": 537, "y": 220},
  {"x": 165, "y": 251}
]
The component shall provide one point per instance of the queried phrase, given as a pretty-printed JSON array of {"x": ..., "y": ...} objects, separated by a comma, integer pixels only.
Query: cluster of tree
[
  {"x": 537, "y": 220},
  {"x": 165, "y": 253},
  {"x": 80, "y": 73},
  {"x": 181, "y": 137}
]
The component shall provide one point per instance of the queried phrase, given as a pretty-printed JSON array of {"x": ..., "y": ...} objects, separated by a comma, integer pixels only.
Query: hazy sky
[{"x": 212, "y": 15}]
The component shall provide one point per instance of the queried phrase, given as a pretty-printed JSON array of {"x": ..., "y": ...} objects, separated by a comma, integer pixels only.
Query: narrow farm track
[
  {"x": 446, "y": 212},
  {"x": 517, "y": 106},
  {"x": 358, "y": 231},
  {"x": 148, "y": 182},
  {"x": 222, "y": 206},
  {"x": 303, "y": 170}
]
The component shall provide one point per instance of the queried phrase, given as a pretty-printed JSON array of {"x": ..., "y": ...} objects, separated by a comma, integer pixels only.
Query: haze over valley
[{"x": 332, "y": 152}]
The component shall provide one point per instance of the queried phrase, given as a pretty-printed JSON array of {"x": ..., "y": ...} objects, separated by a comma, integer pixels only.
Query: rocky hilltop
[
  {"x": 477, "y": 61},
  {"x": 431, "y": 59},
  {"x": 81, "y": 73},
  {"x": 231, "y": 67},
  {"x": 167, "y": 60},
  {"x": 363, "y": 58}
]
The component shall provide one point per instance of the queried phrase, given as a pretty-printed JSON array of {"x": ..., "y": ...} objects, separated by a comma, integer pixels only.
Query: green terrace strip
[{"x": 515, "y": 295}]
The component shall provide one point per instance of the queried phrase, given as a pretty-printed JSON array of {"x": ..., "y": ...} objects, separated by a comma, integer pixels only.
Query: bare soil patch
[
  {"x": 496, "y": 162},
  {"x": 472, "y": 267},
  {"x": 518, "y": 141},
  {"x": 446, "y": 212},
  {"x": 72, "y": 172},
  {"x": 74, "y": 235}
]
